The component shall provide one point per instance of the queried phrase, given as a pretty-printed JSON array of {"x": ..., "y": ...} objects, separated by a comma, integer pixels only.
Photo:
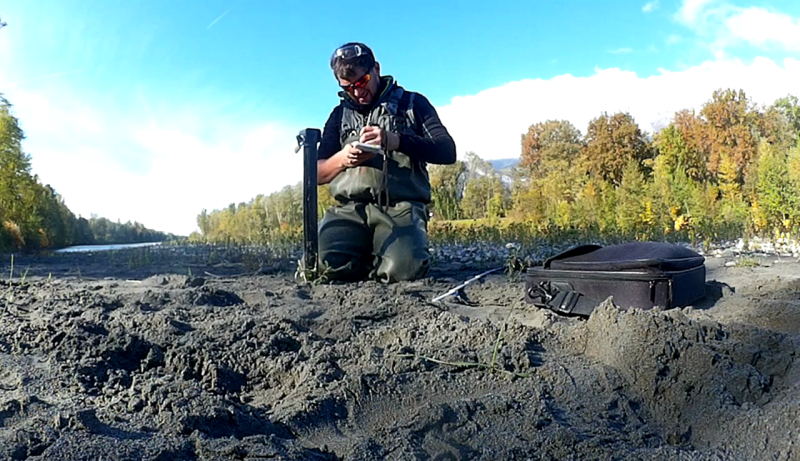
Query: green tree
[
  {"x": 676, "y": 153},
  {"x": 324, "y": 200},
  {"x": 595, "y": 206},
  {"x": 482, "y": 184},
  {"x": 446, "y": 183},
  {"x": 527, "y": 201},
  {"x": 777, "y": 194},
  {"x": 477, "y": 194},
  {"x": 728, "y": 176},
  {"x": 632, "y": 206},
  {"x": 498, "y": 203},
  {"x": 14, "y": 163},
  {"x": 15, "y": 179},
  {"x": 789, "y": 107},
  {"x": 777, "y": 127}
]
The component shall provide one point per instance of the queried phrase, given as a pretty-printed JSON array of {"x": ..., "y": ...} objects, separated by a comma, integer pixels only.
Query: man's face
[{"x": 364, "y": 87}]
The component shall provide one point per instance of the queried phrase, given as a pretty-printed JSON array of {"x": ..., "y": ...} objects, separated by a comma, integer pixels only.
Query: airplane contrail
[{"x": 215, "y": 21}]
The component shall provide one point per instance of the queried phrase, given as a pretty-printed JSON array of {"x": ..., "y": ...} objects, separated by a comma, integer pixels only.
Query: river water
[{"x": 119, "y": 246}]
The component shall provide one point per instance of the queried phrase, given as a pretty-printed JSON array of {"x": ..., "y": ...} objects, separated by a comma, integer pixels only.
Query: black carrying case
[{"x": 642, "y": 275}]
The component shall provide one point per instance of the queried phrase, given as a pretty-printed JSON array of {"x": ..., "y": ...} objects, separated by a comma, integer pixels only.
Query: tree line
[
  {"x": 34, "y": 216},
  {"x": 731, "y": 168}
]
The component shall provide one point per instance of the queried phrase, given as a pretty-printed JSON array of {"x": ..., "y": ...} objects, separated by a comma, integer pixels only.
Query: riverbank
[{"x": 181, "y": 354}]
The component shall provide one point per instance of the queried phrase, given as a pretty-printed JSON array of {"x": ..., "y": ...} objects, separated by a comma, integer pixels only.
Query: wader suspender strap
[{"x": 402, "y": 108}]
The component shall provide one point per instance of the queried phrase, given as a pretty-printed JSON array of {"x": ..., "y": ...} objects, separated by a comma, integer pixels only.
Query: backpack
[{"x": 640, "y": 275}]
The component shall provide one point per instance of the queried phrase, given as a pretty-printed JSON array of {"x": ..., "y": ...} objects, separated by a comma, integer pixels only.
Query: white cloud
[
  {"x": 692, "y": 11},
  {"x": 727, "y": 25},
  {"x": 673, "y": 39},
  {"x": 492, "y": 122},
  {"x": 188, "y": 174},
  {"x": 760, "y": 27},
  {"x": 650, "y": 6},
  {"x": 159, "y": 174},
  {"x": 621, "y": 51}
]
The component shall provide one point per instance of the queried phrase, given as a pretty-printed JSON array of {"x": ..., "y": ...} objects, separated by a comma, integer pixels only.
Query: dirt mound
[{"x": 261, "y": 366}]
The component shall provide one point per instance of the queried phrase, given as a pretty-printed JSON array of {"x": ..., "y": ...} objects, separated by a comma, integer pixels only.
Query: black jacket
[{"x": 431, "y": 144}]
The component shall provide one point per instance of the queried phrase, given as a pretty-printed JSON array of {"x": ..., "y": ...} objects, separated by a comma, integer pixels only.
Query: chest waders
[{"x": 379, "y": 227}]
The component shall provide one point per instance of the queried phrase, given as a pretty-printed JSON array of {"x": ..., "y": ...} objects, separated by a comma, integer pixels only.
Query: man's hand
[
  {"x": 376, "y": 135},
  {"x": 350, "y": 156}
]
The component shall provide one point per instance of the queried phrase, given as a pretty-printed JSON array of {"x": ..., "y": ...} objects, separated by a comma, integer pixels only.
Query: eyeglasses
[{"x": 360, "y": 83}]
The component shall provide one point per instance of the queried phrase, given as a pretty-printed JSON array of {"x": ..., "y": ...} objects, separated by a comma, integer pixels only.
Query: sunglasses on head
[
  {"x": 350, "y": 52},
  {"x": 358, "y": 84}
]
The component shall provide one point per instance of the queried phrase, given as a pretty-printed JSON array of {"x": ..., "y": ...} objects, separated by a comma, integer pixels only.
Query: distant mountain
[{"x": 504, "y": 163}]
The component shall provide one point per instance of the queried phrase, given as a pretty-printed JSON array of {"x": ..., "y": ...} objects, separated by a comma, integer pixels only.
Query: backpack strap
[
  {"x": 406, "y": 105},
  {"x": 346, "y": 130}
]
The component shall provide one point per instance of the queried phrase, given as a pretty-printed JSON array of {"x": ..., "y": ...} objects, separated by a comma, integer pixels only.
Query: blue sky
[{"x": 154, "y": 110}]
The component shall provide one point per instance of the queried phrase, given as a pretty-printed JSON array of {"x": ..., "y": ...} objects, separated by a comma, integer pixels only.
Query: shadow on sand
[{"x": 714, "y": 292}]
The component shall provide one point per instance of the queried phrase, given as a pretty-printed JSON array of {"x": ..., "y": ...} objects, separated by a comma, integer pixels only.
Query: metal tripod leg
[{"x": 308, "y": 140}]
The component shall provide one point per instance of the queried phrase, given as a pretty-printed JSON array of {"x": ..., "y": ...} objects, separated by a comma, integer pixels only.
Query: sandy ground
[{"x": 101, "y": 360}]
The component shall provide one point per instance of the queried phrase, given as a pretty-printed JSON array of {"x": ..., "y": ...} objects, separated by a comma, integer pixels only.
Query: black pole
[{"x": 308, "y": 139}]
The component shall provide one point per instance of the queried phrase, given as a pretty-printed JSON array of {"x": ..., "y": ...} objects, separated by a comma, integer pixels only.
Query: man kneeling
[{"x": 379, "y": 228}]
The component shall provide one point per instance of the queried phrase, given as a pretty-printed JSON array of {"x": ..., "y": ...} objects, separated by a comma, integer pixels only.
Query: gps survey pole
[{"x": 308, "y": 140}]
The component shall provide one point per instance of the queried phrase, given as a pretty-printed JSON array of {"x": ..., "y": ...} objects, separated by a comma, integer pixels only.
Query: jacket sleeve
[
  {"x": 433, "y": 143},
  {"x": 330, "y": 142}
]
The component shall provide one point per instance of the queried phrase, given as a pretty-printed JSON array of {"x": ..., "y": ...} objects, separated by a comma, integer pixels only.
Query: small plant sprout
[
  {"x": 312, "y": 275},
  {"x": 514, "y": 265},
  {"x": 747, "y": 261}
]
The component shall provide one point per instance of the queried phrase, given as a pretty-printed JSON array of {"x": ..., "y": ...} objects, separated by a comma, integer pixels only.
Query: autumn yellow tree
[
  {"x": 731, "y": 129},
  {"x": 612, "y": 142},
  {"x": 547, "y": 146}
]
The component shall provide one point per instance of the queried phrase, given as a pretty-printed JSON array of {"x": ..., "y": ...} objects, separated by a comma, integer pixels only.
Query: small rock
[
  {"x": 730, "y": 263},
  {"x": 59, "y": 422},
  {"x": 135, "y": 405},
  {"x": 195, "y": 282}
]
